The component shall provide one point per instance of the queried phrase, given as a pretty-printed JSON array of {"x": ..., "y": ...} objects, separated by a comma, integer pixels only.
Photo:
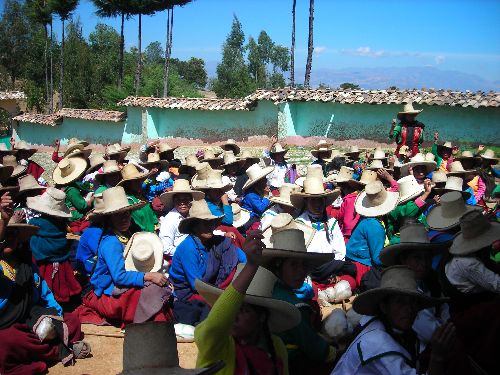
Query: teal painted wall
[{"x": 132, "y": 132}]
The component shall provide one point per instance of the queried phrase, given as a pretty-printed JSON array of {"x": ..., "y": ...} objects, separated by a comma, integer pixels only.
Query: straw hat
[
  {"x": 456, "y": 169},
  {"x": 116, "y": 149},
  {"x": 208, "y": 178},
  {"x": 446, "y": 144},
  {"x": 375, "y": 200},
  {"x": 23, "y": 231},
  {"x": 96, "y": 161},
  {"x": 413, "y": 237},
  {"x": 143, "y": 253},
  {"x": 93, "y": 215},
  {"x": 447, "y": 214},
  {"x": 199, "y": 211},
  {"x": 409, "y": 110},
  {"x": 489, "y": 154},
  {"x": 24, "y": 146},
  {"x": 181, "y": 186},
  {"x": 418, "y": 159},
  {"x": 345, "y": 174},
  {"x": 231, "y": 145},
  {"x": 284, "y": 194},
  {"x": 209, "y": 156},
  {"x": 466, "y": 155},
  {"x": 109, "y": 167},
  {"x": 4, "y": 151},
  {"x": 150, "y": 348},
  {"x": 353, "y": 150},
  {"x": 337, "y": 154},
  {"x": 409, "y": 189},
  {"x": 255, "y": 173},
  {"x": 379, "y": 154},
  {"x": 282, "y": 315},
  {"x": 230, "y": 159},
  {"x": 439, "y": 177},
  {"x": 51, "y": 202},
  {"x": 395, "y": 280},
  {"x": 240, "y": 215},
  {"x": 28, "y": 183},
  {"x": 453, "y": 184},
  {"x": 11, "y": 161},
  {"x": 367, "y": 177},
  {"x": 285, "y": 221},
  {"x": 75, "y": 144},
  {"x": 131, "y": 172},
  {"x": 476, "y": 232},
  {"x": 153, "y": 158},
  {"x": 278, "y": 149},
  {"x": 313, "y": 188},
  {"x": 322, "y": 146},
  {"x": 164, "y": 147},
  {"x": 115, "y": 201},
  {"x": 429, "y": 156},
  {"x": 312, "y": 171},
  {"x": 248, "y": 157},
  {"x": 85, "y": 153},
  {"x": 69, "y": 170},
  {"x": 377, "y": 164}
]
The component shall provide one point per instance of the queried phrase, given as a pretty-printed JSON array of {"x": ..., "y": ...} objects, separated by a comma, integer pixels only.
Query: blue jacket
[
  {"x": 110, "y": 269},
  {"x": 87, "y": 249},
  {"x": 254, "y": 203},
  {"x": 226, "y": 211},
  {"x": 366, "y": 242}
]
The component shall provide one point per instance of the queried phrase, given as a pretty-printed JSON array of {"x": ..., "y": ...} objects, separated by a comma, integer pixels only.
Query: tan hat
[
  {"x": 150, "y": 348},
  {"x": 429, "y": 156},
  {"x": 446, "y": 144},
  {"x": 255, "y": 173},
  {"x": 353, "y": 150},
  {"x": 412, "y": 237},
  {"x": 191, "y": 161},
  {"x": 395, "y": 280},
  {"x": 143, "y": 253},
  {"x": 447, "y": 213},
  {"x": 375, "y": 200},
  {"x": 208, "y": 178},
  {"x": 284, "y": 194},
  {"x": 312, "y": 171},
  {"x": 153, "y": 158},
  {"x": 453, "y": 183},
  {"x": 24, "y": 146},
  {"x": 466, "y": 155},
  {"x": 285, "y": 221},
  {"x": 209, "y": 155},
  {"x": 230, "y": 145},
  {"x": 75, "y": 144},
  {"x": 476, "y": 233},
  {"x": 409, "y": 110},
  {"x": 377, "y": 164},
  {"x": 109, "y": 167},
  {"x": 114, "y": 201},
  {"x": 116, "y": 149},
  {"x": 10, "y": 189},
  {"x": 313, "y": 188},
  {"x": 322, "y": 146},
  {"x": 418, "y": 159},
  {"x": 96, "y": 161},
  {"x": 164, "y": 147},
  {"x": 11, "y": 161},
  {"x": 278, "y": 149},
  {"x": 439, "y": 177},
  {"x": 336, "y": 154},
  {"x": 85, "y": 153},
  {"x": 489, "y": 154},
  {"x": 378, "y": 154},
  {"x": 98, "y": 207},
  {"x": 367, "y": 176},
  {"x": 240, "y": 215},
  {"x": 457, "y": 169},
  {"x": 409, "y": 189},
  {"x": 248, "y": 157},
  {"x": 181, "y": 186},
  {"x": 28, "y": 183},
  {"x": 23, "y": 231},
  {"x": 199, "y": 211},
  {"x": 282, "y": 315},
  {"x": 131, "y": 172},
  {"x": 230, "y": 159},
  {"x": 51, "y": 202},
  {"x": 69, "y": 170},
  {"x": 345, "y": 174}
]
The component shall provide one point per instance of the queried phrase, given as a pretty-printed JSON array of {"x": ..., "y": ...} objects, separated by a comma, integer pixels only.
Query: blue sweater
[
  {"x": 49, "y": 244},
  {"x": 110, "y": 269},
  {"x": 226, "y": 211},
  {"x": 366, "y": 242},
  {"x": 254, "y": 203},
  {"x": 87, "y": 249}
]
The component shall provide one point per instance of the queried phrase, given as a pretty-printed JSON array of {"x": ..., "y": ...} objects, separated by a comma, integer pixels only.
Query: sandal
[{"x": 81, "y": 349}]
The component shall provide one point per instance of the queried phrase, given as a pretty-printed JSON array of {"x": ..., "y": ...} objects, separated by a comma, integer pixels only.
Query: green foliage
[
  {"x": 192, "y": 70},
  {"x": 349, "y": 86},
  {"x": 63, "y": 8},
  {"x": 154, "y": 53},
  {"x": 35, "y": 96}
]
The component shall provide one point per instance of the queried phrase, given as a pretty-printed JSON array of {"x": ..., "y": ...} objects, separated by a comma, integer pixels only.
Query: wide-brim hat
[
  {"x": 456, "y": 169},
  {"x": 313, "y": 171},
  {"x": 9, "y": 189},
  {"x": 322, "y": 146},
  {"x": 73, "y": 145},
  {"x": 181, "y": 186},
  {"x": 409, "y": 110},
  {"x": 69, "y": 170},
  {"x": 209, "y": 156},
  {"x": 11, "y": 161},
  {"x": 29, "y": 183},
  {"x": 230, "y": 159},
  {"x": 24, "y": 231},
  {"x": 153, "y": 159},
  {"x": 130, "y": 172},
  {"x": 467, "y": 155},
  {"x": 51, "y": 202},
  {"x": 115, "y": 201},
  {"x": 116, "y": 149},
  {"x": 96, "y": 161},
  {"x": 313, "y": 188},
  {"x": 230, "y": 144},
  {"x": 446, "y": 215},
  {"x": 23, "y": 146},
  {"x": 143, "y": 253},
  {"x": 345, "y": 174},
  {"x": 165, "y": 147},
  {"x": 199, "y": 211},
  {"x": 284, "y": 194},
  {"x": 489, "y": 155},
  {"x": 453, "y": 183},
  {"x": 240, "y": 215},
  {"x": 367, "y": 176},
  {"x": 409, "y": 189},
  {"x": 256, "y": 173},
  {"x": 282, "y": 315},
  {"x": 413, "y": 237},
  {"x": 5, "y": 172},
  {"x": 4, "y": 151},
  {"x": 208, "y": 178},
  {"x": 285, "y": 221},
  {"x": 377, "y": 164},
  {"x": 418, "y": 159},
  {"x": 246, "y": 156},
  {"x": 395, "y": 280},
  {"x": 85, "y": 154},
  {"x": 278, "y": 149},
  {"x": 445, "y": 144},
  {"x": 375, "y": 201},
  {"x": 354, "y": 150},
  {"x": 378, "y": 154},
  {"x": 477, "y": 232}
]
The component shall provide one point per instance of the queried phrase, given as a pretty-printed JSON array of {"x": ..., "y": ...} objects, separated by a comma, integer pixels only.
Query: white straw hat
[
  {"x": 439, "y": 177},
  {"x": 51, "y": 202},
  {"x": 409, "y": 189},
  {"x": 429, "y": 156},
  {"x": 457, "y": 169},
  {"x": 277, "y": 148},
  {"x": 153, "y": 159},
  {"x": 418, "y": 159},
  {"x": 313, "y": 188},
  {"x": 69, "y": 170},
  {"x": 199, "y": 211},
  {"x": 165, "y": 147},
  {"x": 377, "y": 164},
  {"x": 375, "y": 200},
  {"x": 28, "y": 183},
  {"x": 116, "y": 149},
  {"x": 447, "y": 213},
  {"x": 467, "y": 155},
  {"x": 409, "y": 110},
  {"x": 230, "y": 159},
  {"x": 352, "y": 150},
  {"x": 247, "y": 156},
  {"x": 453, "y": 183},
  {"x": 285, "y": 221},
  {"x": 229, "y": 145},
  {"x": 312, "y": 171},
  {"x": 96, "y": 161},
  {"x": 378, "y": 154},
  {"x": 489, "y": 154},
  {"x": 75, "y": 144},
  {"x": 115, "y": 201},
  {"x": 181, "y": 186},
  {"x": 322, "y": 146},
  {"x": 208, "y": 178},
  {"x": 143, "y": 253},
  {"x": 240, "y": 215},
  {"x": 24, "y": 146},
  {"x": 367, "y": 176},
  {"x": 130, "y": 172},
  {"x": 255, "y": 173},
  {"x": 476, "y": 233},
  {"x": 345, "y": 174},
  {"x": 284, "y": 194},
  {"x": 11, "y": 161}
]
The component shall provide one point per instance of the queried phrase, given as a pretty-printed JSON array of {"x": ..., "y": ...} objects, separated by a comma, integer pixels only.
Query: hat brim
[
  {"x": 140, "y": 176},
  {"x": 313, "y": 258},
  {"x": 488, "y": 157},
  {"x": 123, "y": 150},
  {"x": 231, "y": 146},
  {"x": 315, "y": 153},
  {"x": 25, "y": 231},
  {"x": 80, "y": 168},
  {"x": 389, "y": 256},
  {"x": 462, "y": 173},
  {"x": 279, "y": 200},
  {"x": 31, "y": 188},
  {"x": 150, "y": 164},
  {"x": 93, "y": 168},
  {"x": 238, "y": 162},
  {"x": 377, "y": 168},
  {"x": 18, "y": 170},
  {"x": 382, "y": 209},
  {"x": 244, "y": 217},
  {"x": 129, "y": 207},
  {"x": 5, "y": 172},
  {"x": 167, "y": 198},
  {"x": 262, "y": 174},
  {"x": 282, "y": 315},
  {"x": 33, "y": 203},
  {"x": 463, "y": 246},
  {"x": 436, "y": 221},
  {"x": 414, "y": 112},
  {"x": 284, "y": 151},
  {"x": 30, "y": 151},
  {"x": 430, "y": 166},
  {"x": 297, "y": 199},
  {"x": 352, "y": 153},
  {"x": 9, "y": 189},
  {"x": 157, "y": 245},
  {"x": 336, "y": 178},
  {"x": 186, "y": 224},
  {"x": 440, "y": 191},
  {"x": 415, "y": 194}
]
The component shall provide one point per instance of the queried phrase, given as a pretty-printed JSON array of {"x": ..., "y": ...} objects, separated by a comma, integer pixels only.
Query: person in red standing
[{"x": 409, "y": 131}]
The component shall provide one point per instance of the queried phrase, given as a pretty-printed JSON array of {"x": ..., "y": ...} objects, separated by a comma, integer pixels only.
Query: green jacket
[
  {"x": 395, "y": 219},
  {"x": 144, "y": 217}
]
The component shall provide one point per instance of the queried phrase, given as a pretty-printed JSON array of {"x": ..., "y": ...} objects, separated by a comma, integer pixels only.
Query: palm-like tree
[
  {"x": 292, "y": 50},
  {"x": 310, "y": 44}
]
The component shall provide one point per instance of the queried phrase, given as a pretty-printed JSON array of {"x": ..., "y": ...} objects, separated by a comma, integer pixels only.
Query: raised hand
[
  {"x": 6, "y": 207},
  {"x": 253, "y": 247}
]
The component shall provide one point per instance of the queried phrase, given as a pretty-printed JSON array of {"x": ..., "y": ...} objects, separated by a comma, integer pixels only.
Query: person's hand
[
  {"x": 393, "y": 123},
  {"x": 253, "y": 247},
  {"x": 154, "y": 170},
  {"x": 267, "y": 190},
  {"x": 18, "y": 217},
  {"x": 274, "y": 139},
  {"x": 427, "y": 185},
  {"x": 230, "y": 235},
  {"x": 436, "y": 136},
  {"x": 442, "y": 342},
  {"x": 156, "y": 278},
  {"x": 437, "y": 199},
  {"x": 480, "y": 148},
  {"x": 383, "y": 174},
  {"x": 225, "y": 200},
  {"x": 6, "y": 207},
  {"x": 57, "y": 143}
]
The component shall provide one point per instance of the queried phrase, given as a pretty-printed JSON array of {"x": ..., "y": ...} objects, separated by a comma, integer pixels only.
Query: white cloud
[
  {"x": 319, "y": 50},
  {"x": 439, "y": 59},
  {"x": 363, "y": 51}
]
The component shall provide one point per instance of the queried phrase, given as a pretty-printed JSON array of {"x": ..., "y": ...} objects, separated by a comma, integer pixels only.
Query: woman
[
  {"x": 238, "y": 328},
  {"x": 419, "y": 167},
  {"x": 117, "y": 292},
  {"x": 26, "y": 301},
  {"x": 256, "y": 192},
  {"x": 386, "y": 343},
  {"x": 280, "y": 204},
  {"x": 202, "y": 255},
  {"x": 49, "y": 245},
  {"x": 108, "y": 177},
  {"x": 322, "y": 152},
  {"x": 443, "y": 153},
  {"x": 28, "y": 187},
  {"x": 282, "y": 173},
  {"x": 409, "y": 132}
]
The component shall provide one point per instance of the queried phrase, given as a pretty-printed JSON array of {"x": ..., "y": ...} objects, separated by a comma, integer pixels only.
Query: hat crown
[
  {"x": 53, "y": 198},
  {"x": 454, "y": 183},
  {"x": 452, "y": 204},
  {"x": 447, "y": 144},
  {"x": 353, "y": 149},
  {"x": 199, "y": 209},
  {"x": 27, "y": 182},
  {"x": 236, "y": 208},
  {"x": 368, "y": 176},
  {"x": 430, "y": 157},
  {"x": 130, "y": 171},
  {"x": 377, "y": 164},
  {"x": 414, "y": 233},
  {"x": 418, "y": 158},
  {"x": 96, "y": 160},
  {"x": 191, "y": 161},
  {"x": 164, "y": 147},
  {"x": 254, "y": 171},
  {"x": 345, "y": 172},
  {"x": 229, "y": 157},
  {"x": 409, "y": 186},
  {"x": 277, "y": 147},
  {"x": 114, "y": 198},
  {"x": 378, "y": 154},
  {"x": 313, "y": 186},
  {"x": 467, "y": 154},
  {"x": 203, "y": 170},
  {"x": 281, "y": 221},
  {"x": 287, "y": 189},
  {"x": 489, "y": 153},
  {"x": 473, "y": 224},
  {"x": 262, "y": 285},
  {"x": 143, "y": 256},
  {"x": 9, "y": 161},
  {"x": 110, "y": 166},
  {"x": 408, "y": 107},
  {"x": 214, "y": 178},
  {"x": 209, "y": 154},
  {"x": 439, "y": 176},
  {"x": 66, "y": 166},
  {"x": 153, "y": 157},
  {"x": 399, "y": 277},
  {"x": 23, "y": 145},
  {"x": 181, "y": 185},
  {"x": 375, "y": 193},
  {"x": 314, "y": 171},
  {"x": 456, "y": 166},
  {"x": 289, "y": 239}
]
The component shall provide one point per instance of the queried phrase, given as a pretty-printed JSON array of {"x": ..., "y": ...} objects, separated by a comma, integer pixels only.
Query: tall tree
[
  {"x": 64, "y": 9},
  {"x": 310, "y": 45},
  {"x": 292, "y": 52}
]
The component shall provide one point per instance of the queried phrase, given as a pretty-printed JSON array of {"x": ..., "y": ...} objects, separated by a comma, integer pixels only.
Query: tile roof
[
  {"x": 430, "y": 97},
  {"x": 37, "y": 118},
  {"x": 206, "y": 104},
  {"x": 9, "y": 95},
  {"x": 93, "y": 114}
]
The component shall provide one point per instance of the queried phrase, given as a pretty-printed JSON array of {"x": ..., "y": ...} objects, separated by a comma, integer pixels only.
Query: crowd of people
[{"x": 238, "y": 253}]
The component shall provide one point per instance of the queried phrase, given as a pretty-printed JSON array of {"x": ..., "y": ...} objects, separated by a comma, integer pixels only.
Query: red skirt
[
  {"x": 60, "y": 280},
  {"x": 238, "y": 242},
  {"x": 22, "y": 353},
  {"x": 79, "y": 226}
]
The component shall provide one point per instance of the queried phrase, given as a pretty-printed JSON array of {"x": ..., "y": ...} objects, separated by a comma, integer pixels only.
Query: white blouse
[
  {"x": 169, "y": 231},
  {"x": 470, "y": 275}
]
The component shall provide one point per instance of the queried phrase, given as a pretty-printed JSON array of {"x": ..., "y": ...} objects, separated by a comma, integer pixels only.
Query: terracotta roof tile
[
  {"x": 17, "y": 95},
  {"x": 207, "y": 104},
  {"x": 37, "y": 118},
  {"x": 93, "y": 114}
]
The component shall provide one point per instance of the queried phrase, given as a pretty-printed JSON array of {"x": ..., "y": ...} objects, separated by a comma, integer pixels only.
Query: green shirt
[
  {"x": 144, "y": 217},
  {"x": 395, "y": 219},
  {"x": 75, "y": 202}
]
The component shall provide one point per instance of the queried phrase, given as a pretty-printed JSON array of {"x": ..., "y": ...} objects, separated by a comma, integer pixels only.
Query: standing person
[
  {"x": 444, "y": 153},
  {"x": 409, "y": 131},
  {"x": 23, "y": 155},
  {"x": 282, "y": 172},
  {"x": 322, "y": 152}
]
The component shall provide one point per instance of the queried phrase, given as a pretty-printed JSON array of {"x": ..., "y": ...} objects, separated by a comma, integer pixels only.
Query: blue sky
[{"x": 451, "y": 35}]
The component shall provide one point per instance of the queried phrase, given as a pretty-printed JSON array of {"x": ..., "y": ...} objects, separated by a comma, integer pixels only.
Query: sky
[{"x": 448, "y": 34}]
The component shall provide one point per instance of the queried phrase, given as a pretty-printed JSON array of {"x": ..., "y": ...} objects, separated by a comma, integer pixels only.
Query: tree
[
  {"x": 154, "y": 54},
  {"x": 349, "y": 86},
  {"x": 192, "y": 70},
  {"x": 256, "y": 65},
  {"x": 310, "y": 45},
  {"x": 64, "y": 9},
  {"x": 292, "y": 52}
]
